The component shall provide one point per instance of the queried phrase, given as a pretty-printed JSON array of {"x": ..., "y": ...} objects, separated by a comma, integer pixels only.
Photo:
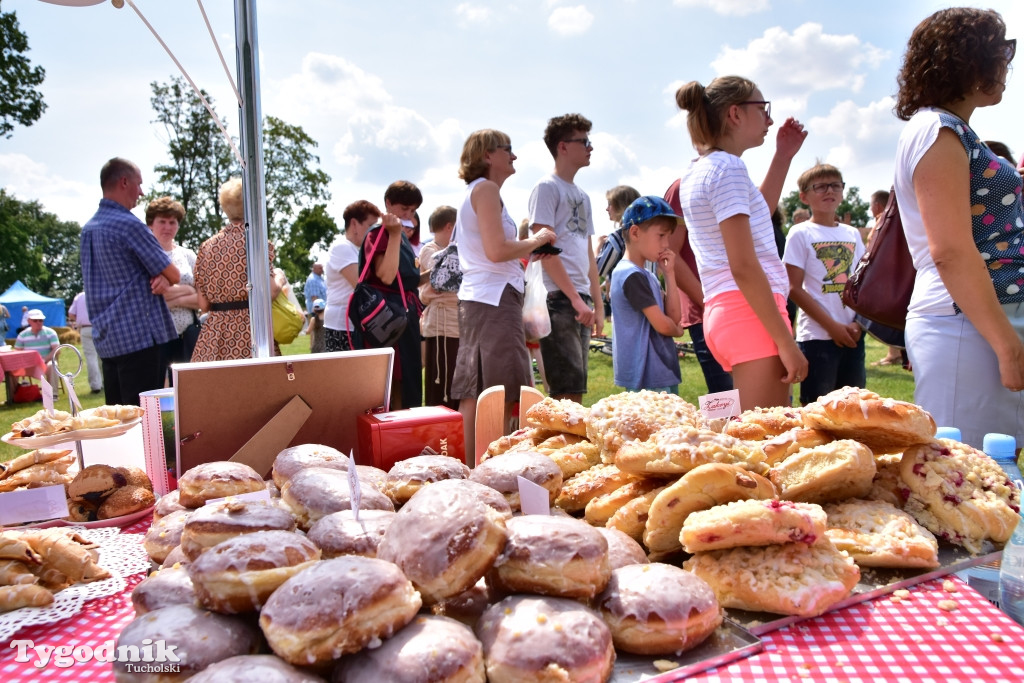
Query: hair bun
[{"x": 689, "y": 95}]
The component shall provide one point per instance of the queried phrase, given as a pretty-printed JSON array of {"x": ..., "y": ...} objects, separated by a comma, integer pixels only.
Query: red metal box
[{"x": 386, "y": 438}]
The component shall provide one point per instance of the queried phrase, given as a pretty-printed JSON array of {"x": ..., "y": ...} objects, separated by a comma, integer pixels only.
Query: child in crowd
[
  {"x": 646, "y": 319},
  {"x": 315, "y": 329},
  {"x": 820, "y": 256},
  {"x": 439, "y": 323}
]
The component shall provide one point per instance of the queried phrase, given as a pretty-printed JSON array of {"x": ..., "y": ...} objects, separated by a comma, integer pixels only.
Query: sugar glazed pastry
[
  {"x": 501, "y": 473},
  {"x": 792, "y": 579},
  {"x": 216, "y": 523},
  {"x": 239, "y": 574},
  {"x": 824, "y": 474},
  {"x": 580, "y": 489},
  {"x": 558, "y": 415},
  {"x": 429, "y": 648},
  {"x": 163, "y": 588},
  {"x": 253, "y": 669},
  {"x": 658, "y": 609},
  {"x": 622, "y": 550},
  {"x": 341, "y": 534},
  {"x": 315, "y": 492},
  {"x": 407, "y": 476},
  {"x": 876, "y": 534},
  {"x": 677, "y": 450},
  {"x": 751, "y": 523},
  {"x": 760, "y": 424},
  {"x": 211, "y": 480},
  {"x": 560, "y": 556},
  {"x": 533, "y": 638},
  {"x": 201, "y": 638},
  {"x": 294, "y": 458},
  {"x": 884, "y": 425},
  {"x": 444, "y": 539},
  {"x": 959, "y": 493},
  {"x": 164, "y": 535},
  {"x": 634, "y": 416},
  {"x": 337, "y": 607}
]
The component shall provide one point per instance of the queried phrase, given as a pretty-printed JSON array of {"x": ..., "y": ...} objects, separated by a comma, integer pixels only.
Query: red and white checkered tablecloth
[{"x": 881, "y": 640}]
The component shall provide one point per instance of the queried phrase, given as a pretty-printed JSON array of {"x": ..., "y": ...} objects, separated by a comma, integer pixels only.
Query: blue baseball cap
[{"x": 646, "y": 208}]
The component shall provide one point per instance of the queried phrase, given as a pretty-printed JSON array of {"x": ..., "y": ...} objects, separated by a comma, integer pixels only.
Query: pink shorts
[{"x": 733, "y": 332}]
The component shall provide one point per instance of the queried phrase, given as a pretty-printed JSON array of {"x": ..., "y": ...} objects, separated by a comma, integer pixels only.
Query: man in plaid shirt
[{"x": 125, "y": 272}]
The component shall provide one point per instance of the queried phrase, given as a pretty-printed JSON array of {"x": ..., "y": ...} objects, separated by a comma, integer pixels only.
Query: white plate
[
  {"x": 32, "y": 442},
  {"x": 122, "y": 521}
]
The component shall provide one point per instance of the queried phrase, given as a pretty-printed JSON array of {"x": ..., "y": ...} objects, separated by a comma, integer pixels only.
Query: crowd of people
[{"x": 707, "y": 257}]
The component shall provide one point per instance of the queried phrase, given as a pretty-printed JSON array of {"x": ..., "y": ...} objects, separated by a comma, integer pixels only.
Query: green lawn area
[{"x": 891, "y": 381}]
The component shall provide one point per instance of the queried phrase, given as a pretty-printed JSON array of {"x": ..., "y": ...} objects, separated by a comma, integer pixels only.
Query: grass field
[{"x": 890, "y": 381}]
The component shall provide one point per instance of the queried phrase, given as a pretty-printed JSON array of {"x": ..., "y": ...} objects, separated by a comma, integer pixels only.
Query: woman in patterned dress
[{"x": 220, "y": 278}]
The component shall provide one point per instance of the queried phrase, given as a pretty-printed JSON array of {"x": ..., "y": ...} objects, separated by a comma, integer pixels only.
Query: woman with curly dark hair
[{"x": 961, "y": 209}]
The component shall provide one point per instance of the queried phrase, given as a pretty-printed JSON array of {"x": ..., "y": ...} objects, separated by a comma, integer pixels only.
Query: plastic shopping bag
[{"x": 536, "y": 322}]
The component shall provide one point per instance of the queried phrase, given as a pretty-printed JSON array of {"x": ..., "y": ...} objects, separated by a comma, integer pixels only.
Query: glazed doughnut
[
  {"x": 699, "y": 489},
  {"x": 315, "y": 492},
  {"x": 887, "y": 485},
  {"x": 125, "y": 501},
  {"x": 444, "y": 539},
  {"x": 558, "y": 415},
  {"x": 239, "y": 574},
  {"x": 876, "y": 534},
  {"x": 250, "y": 668},
  {"x": 884, "y": 425},
  {"x": 579, "y": 490},
  {"x": 826, "y": 474},
  {"x": 163, "y": 588},
  {"x": 373, "y": 476},
  {"x": 601, "y": 508},
  {"x": 407, "y": 476},
  {"x": 164, "y": 535},
  {"x": 429, "y": 648},
  {"x": 622, "y": 550},
  {"x": 658, "y": 609},
  {"x": 337, "y": 607},
  {"x": 485, "y": 494},
  {"x": 532, "y": 638},
  {"x": 799, "y": 579},
  {"x": 764, "y": 423},
  {"x": 677, "y": 450},
  {"x": 959, "y": 493},
  {"x": 213, "y": 524},
  {"x": 467, "y": 606},
  {"x": 167, "y": 504},
  {"x": 176, "y": 557},
  {"x": 778, "y": 448},
  {"x": 294, "y": 458},
  {"x": 221, "y": 479},
  {"x": 501, "y": 474},
  {"x": 95, "y": 482},
  {"x": 201, "y": 638},
  {"x": 631, "y": 518},
  {"x": 634, "y": 416},
  {"x": 752, "y": 522},
  {"x": 559, "y": 556},
  {"x": 340, "y": 534}
]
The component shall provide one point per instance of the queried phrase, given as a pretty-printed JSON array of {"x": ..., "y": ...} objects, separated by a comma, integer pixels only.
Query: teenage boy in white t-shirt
[{"x": 820, "y": 256}]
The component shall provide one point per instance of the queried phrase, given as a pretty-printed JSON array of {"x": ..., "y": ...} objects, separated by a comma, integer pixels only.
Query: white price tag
[
  {"x": 355, "y": 493},
  {"x": 534, "y": 499},
  {"x": 47, "y": 395},
  {"x": 34, "y": 505},
  {"x": 721, "y": 404}
]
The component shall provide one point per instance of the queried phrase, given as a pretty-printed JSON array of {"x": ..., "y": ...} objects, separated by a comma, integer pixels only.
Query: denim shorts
[
  {"x": 831, "y": 367},
  {"x": 566, "y": 350}
]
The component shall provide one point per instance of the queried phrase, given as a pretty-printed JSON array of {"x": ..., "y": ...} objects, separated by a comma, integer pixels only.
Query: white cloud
[
  {"x": 469, "y": 13},
  {"x": 867, "y": 134},
  {"x": 29, "y": 180},
  {"x": 571, "y": 21},
  {"x": 791, "y": 66},
  {"x": 735, "y": 8}
]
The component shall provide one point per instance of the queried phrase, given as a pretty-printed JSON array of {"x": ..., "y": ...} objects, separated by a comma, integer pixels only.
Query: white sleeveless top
[{"x": 483, "y": 280}]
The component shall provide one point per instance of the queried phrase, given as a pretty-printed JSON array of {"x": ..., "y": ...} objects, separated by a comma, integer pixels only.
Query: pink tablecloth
[
  {"x": 881, "y": 640},
  {"x": 22, "y": 362}
]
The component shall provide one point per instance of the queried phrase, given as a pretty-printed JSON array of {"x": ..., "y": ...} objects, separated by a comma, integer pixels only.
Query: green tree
[
  {"x": 311, "y": 228},
  {"x": 38, "y": 248},
  {"x": 294, "y": 180},
  {"x": 852, "y": 210},
  {"x": 20, "y": 102},
  {"x": 200, "y": 159}
]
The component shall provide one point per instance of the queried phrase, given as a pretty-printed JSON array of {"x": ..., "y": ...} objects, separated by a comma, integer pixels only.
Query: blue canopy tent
[{"x": 18, "y": 295}]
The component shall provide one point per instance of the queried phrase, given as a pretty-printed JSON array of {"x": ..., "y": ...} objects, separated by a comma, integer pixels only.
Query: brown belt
[{"x": 230, "y": 305}]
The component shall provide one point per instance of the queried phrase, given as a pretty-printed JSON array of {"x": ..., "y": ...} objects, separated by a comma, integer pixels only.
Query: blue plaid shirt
[
  {"x": 119, "y": 256},
  {"x": 315, "y": 287}
]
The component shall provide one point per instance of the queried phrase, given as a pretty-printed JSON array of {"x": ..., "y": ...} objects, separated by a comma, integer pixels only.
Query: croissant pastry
[
  {"x": 118, "y": 412},
  {"x": 27, "y": 460},
  {"x": 15, "y": 573},
  {"x": 40, "y": 424},
  {"x": 14, "y": 547},
  {"x": 46, "y": 474},
  {"x": 25, "y": 595},
  {"x": 61, "y": 553},
  {"x": 84, "y": 421}
]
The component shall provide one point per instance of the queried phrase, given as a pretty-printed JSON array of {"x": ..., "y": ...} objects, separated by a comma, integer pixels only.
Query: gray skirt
[{"x": 492, "y": 347}]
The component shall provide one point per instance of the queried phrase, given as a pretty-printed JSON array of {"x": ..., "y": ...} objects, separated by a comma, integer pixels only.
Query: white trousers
[{"x": 92, "y": 359}]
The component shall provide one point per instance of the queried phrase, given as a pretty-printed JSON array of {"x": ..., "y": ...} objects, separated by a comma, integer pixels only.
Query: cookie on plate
[
  {"x": 876, "y": 534},
  {"x": 795, "y": 578},
  {"x": 752, "y": 522}
]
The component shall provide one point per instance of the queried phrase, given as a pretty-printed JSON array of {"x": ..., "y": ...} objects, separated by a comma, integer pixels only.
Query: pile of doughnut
[
  {"x": 438, "y": 577},
  {"x": 36, "y": 563},
  {"x": 660, "y": 520}
]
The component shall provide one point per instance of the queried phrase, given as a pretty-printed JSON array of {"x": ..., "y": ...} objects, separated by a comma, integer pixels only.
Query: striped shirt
[
  {"x": 44, "y": 342},
  {"x": 714, "y": 188}
]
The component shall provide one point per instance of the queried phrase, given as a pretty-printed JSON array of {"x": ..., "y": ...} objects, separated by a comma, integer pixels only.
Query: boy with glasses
[
  {"x": 573, "y": 286},
  {"x": 820, "y": 256}
]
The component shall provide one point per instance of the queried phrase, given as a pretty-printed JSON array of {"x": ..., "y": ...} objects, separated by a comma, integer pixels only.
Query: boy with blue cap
[{"x": 646, "y": 318}]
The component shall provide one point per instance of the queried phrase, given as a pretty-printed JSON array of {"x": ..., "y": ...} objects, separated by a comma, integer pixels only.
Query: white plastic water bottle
[
  {"x": 1011, "y": 576},
  {"x": 986, "y": 578}
]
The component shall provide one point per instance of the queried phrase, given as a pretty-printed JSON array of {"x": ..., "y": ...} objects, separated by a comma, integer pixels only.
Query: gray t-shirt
[{"x": 566, "y": 208}]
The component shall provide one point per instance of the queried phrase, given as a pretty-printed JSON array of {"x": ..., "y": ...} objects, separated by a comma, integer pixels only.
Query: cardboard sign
[{"x": 32, "y": 505}]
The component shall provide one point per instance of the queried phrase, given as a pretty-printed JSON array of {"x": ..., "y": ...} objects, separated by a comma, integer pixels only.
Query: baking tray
[
  {"x": 874, "y": 581},
  {"x": 728, "y": 643}
]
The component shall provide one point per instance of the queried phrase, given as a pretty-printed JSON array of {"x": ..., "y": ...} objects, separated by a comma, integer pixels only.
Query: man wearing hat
[
  {"x": 316, "y": 287},
  {"x": 39, "y": 337}
]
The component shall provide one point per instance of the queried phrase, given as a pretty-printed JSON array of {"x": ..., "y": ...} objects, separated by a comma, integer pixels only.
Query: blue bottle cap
[
  {"x": 947, "y": 433},
  {"x": 999, "y": 445}
]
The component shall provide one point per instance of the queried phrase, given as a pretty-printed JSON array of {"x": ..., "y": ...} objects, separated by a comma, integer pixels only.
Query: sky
[{"x": 391, "y": 90}]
